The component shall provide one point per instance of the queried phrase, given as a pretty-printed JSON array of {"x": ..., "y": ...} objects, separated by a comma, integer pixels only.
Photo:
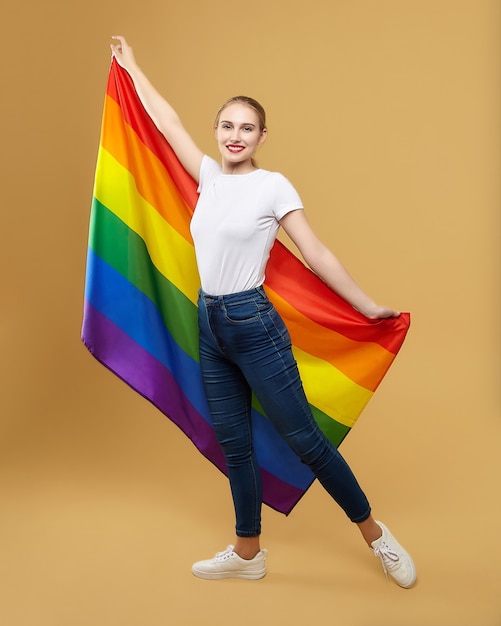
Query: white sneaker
[
  {"x": 395, "y": 560},
  {"x": 228, "y": 564}
]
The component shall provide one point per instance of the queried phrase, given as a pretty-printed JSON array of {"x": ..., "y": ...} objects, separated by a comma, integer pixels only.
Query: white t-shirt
[{"x": 235, "y": 224}]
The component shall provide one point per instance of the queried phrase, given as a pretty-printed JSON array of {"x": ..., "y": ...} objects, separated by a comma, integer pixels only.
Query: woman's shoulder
[
  {"x": 274, "y": 176},
  {"x": 209, "y": 170},
  {"x": 278, "y": 179},
  {"x": 210, "y": 165}
]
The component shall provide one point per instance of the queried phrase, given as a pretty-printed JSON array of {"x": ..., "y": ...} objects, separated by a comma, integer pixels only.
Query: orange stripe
[
  {"x": 348, "y": 356},
  {"x": 152, "y": 180}
]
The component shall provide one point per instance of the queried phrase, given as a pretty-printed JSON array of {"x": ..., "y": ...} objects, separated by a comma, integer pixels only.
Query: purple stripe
[
  {"x": 146, "y": 375},
  {"x": 279, "y": 495}
]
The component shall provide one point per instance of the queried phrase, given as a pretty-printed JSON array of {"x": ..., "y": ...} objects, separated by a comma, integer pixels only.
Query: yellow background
[{"x": 385, "y": 116}]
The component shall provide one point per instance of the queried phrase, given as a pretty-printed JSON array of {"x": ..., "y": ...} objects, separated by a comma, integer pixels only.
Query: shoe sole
[
  {"x": 220, "y": 575},
  {"x": 412, "y": 576}
]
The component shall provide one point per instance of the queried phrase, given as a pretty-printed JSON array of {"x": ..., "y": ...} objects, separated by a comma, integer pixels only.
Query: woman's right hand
[{"x": 123, "y": 52}]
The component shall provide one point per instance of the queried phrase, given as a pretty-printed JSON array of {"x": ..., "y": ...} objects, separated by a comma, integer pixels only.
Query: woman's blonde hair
[{"x": 251, "y": 103}]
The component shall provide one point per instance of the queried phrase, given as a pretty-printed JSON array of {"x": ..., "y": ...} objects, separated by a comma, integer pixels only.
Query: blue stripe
[{"x": 137, "y": 316}]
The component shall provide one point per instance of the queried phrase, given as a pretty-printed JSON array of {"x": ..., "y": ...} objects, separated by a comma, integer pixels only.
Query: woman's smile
[{"x": 234, "y": 148}]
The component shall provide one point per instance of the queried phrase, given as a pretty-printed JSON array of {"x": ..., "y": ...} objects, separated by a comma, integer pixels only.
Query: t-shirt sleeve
[
  {"x": 209, "y": 169},
  {"x": 286, "y": 197}
]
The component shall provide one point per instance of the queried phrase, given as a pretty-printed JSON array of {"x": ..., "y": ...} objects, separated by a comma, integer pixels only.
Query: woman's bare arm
[
  {"x": 328, "y": 267},
  {"x": 161, "y": 112}
]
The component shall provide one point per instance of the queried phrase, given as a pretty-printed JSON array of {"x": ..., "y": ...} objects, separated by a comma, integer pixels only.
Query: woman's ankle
[
  {"x": 247, "y": 547},
  {"x": 370, "y": 530}
]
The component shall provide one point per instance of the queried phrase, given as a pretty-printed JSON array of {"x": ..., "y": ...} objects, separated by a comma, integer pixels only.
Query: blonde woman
[{"x": 244, "y": 344}]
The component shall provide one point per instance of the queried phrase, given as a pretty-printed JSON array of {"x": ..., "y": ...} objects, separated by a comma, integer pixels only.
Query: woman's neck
[{"x": 238, "y": 168}]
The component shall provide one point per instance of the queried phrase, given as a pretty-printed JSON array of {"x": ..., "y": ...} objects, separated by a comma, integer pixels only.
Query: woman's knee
[{"x": 313, "y": 448}]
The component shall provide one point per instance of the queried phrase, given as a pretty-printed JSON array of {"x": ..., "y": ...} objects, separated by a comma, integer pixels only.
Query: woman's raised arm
[{"x": 163, "y": 115}]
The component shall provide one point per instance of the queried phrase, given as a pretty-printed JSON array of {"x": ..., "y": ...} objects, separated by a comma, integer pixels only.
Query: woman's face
[{"x": 238, "y": 134}]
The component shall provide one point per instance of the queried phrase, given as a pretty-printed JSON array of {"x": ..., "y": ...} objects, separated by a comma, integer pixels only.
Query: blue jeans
[{"x": 244, "y": 346}]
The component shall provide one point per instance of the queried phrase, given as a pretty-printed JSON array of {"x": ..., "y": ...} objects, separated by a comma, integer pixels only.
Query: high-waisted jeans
[{"x": 244, "y": 346}]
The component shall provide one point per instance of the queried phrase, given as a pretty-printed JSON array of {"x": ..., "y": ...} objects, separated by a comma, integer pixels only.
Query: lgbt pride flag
[{"x": 140, "y": 316}]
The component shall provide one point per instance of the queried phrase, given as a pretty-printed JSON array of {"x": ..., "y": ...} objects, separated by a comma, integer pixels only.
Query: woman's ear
[{"x": 264, "y": 134}]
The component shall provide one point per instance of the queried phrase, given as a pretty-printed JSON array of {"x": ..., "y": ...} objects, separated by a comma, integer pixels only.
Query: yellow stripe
[
  {"x": 330, "y": 390},
  {"x": 326, "y": 387},
  {"x": 171, "y": 254},
  {"x": 152, "y": 179},
  {"x": 347, "y": 355}
]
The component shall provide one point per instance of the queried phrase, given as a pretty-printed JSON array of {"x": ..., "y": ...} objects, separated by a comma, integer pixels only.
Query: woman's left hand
[{"x": 376, "y": 312}]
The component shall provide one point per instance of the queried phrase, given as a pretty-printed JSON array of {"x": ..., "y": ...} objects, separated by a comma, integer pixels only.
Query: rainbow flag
[{"x": 140, "y": 316}]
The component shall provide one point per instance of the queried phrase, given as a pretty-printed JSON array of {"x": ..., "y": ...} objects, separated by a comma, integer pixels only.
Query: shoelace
[
  {"x": 223, "y": 556},
  {"x": 389, "y": 558}
]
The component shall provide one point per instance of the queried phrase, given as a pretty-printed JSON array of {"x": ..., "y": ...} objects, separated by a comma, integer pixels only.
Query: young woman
[{"x": 244, "y": 344}]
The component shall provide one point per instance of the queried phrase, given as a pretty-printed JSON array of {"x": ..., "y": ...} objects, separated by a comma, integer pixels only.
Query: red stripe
[
  {"x": 121, "y": 88},
  {"x": 285, "y": 273},
  {"x": 303, "y": 290}
]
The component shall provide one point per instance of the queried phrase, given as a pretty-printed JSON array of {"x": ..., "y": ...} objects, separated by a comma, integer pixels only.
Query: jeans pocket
[
  {"x": 241, "y": 313},
  {"x": 247, "y": 311},
  {"x": 279, "y": 326}
]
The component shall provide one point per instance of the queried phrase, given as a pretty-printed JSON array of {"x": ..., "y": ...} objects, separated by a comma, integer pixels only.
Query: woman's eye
[{"x": 248, "y": 129}]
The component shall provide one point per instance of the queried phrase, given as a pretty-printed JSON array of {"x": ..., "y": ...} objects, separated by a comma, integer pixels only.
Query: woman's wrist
[{"x": 367, "y": 308}]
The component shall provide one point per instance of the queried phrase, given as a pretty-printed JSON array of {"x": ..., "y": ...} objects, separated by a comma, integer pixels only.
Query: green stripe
[
  {"x": 333, "y": 430},
  {"x": 124, "y": 250},
  {"x": 114, "y": 242}
]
